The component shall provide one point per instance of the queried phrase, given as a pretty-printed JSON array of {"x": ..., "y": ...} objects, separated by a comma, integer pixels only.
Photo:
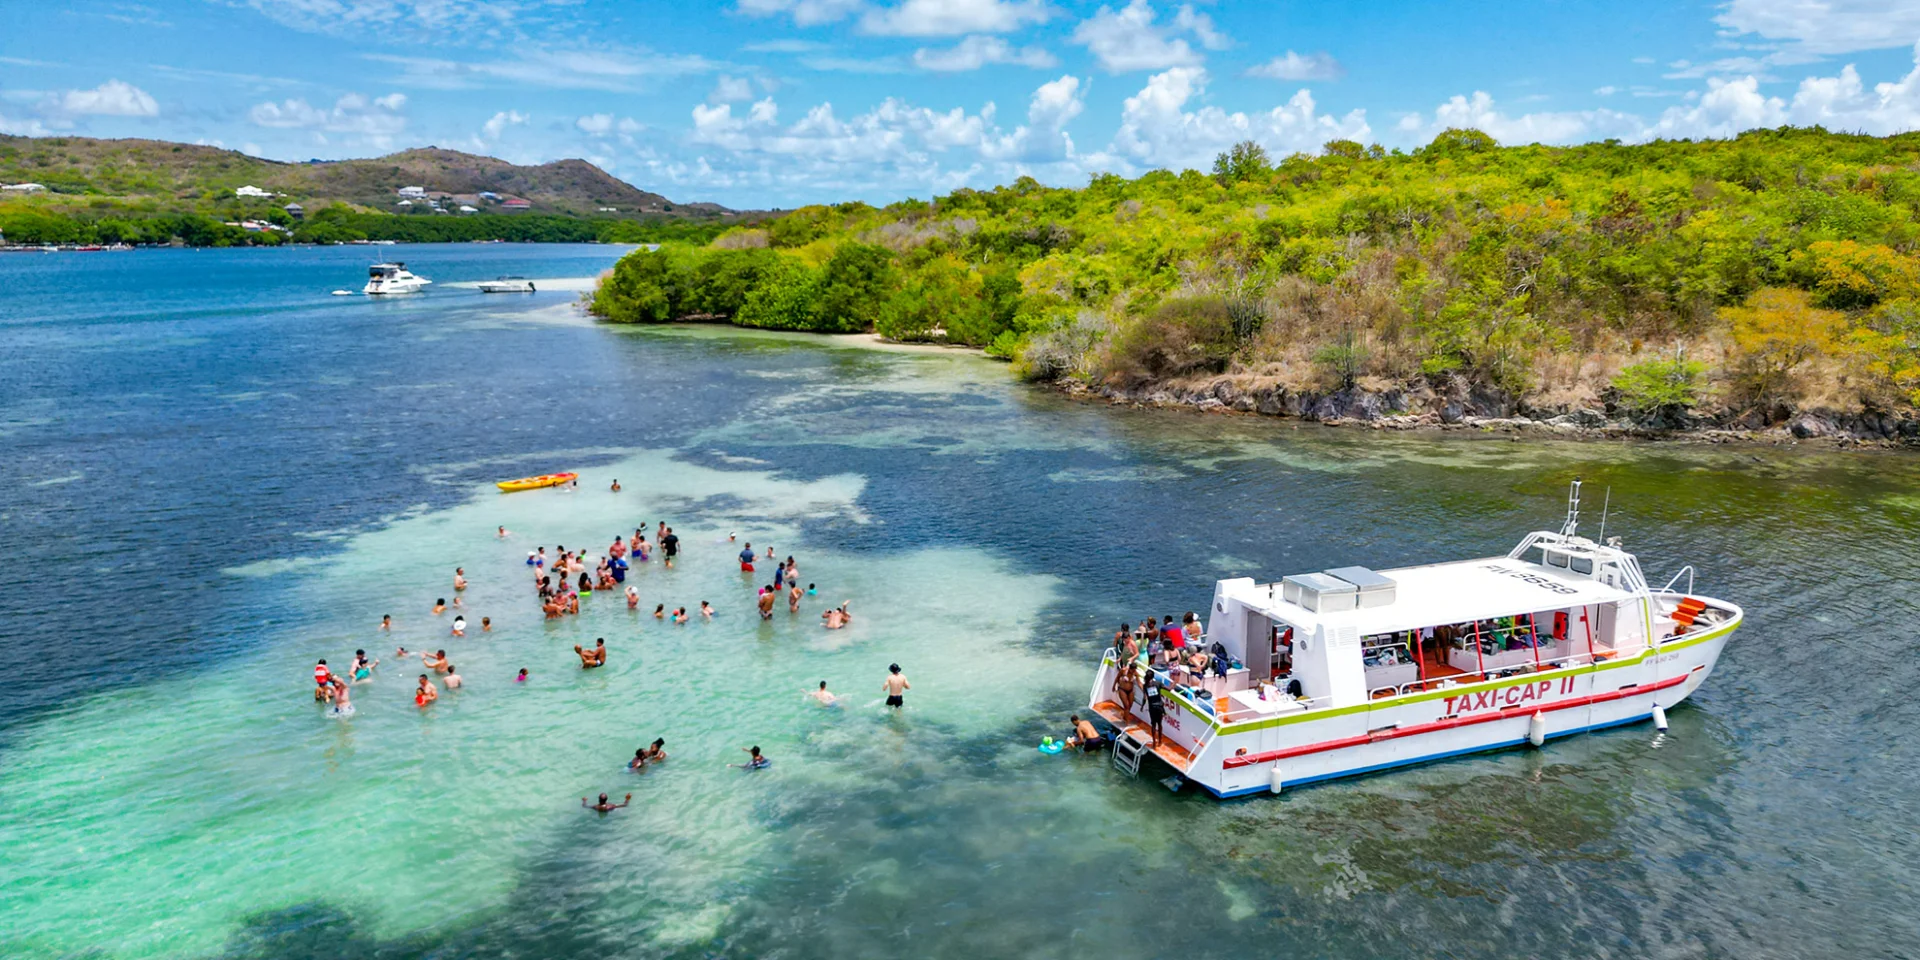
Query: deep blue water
[{"x": 169, "y": 416}]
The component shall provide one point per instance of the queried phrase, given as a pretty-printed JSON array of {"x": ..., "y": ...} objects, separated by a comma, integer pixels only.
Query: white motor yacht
[
  {"x": 392, "y": 278},
  {"x": 507, "y": 285}
]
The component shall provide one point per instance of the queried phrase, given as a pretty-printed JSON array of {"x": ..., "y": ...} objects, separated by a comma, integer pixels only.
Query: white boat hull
[
  {"x": 1240, "y": 757},
  {"x": 380, "y": 287}
]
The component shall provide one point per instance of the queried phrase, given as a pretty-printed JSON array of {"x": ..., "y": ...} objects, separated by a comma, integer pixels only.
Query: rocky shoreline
[{"x": 1427, "y": 409}]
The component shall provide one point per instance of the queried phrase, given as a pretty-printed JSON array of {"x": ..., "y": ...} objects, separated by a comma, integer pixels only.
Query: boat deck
[{"x": 1170, "y": 753}]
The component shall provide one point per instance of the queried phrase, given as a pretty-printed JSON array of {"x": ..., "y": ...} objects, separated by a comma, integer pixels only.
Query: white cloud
[
  {"x": 1043, "y": 138},
  {"x": 1128, "y": 40},
  {"x": 728, "y": 89},
  {"x": 784, "y": 46},
  {"x": 1479, "y": 113},
  {"x": 1294, "y": 66},
  {"x": 1826, "y": 26},
  {"x": 1157, "y": 129},
  {"x": 1840, "y": 103},
  {"x": 855, "y": 64},
  {"x": 805, "y": 13},
  {"x": 388, "y": 18},
  {"x": 374, "y": 121},
  {"x": 595, "y": 124},
  {"x": 22, "y": 128},
  {"x": 618, "y": 70},
  {"x": 114, "y": 98},
  {"x": 946, "y": 18},
  {"x": 1201, "y": 26},
  {"x": 977, "y": 51},
  {"x": 501, "y": 121},
  {"x": 1606, "y": 91}
]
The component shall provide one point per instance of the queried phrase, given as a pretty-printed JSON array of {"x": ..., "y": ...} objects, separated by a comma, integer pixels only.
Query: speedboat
[
  {"x": 392, "y": 278},
  {"x": 1347, "y": 671},
  {"x": 507, "y": 285}
]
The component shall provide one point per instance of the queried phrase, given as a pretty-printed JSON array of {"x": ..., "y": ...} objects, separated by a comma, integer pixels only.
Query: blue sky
[{"x": 757, "y": 103}]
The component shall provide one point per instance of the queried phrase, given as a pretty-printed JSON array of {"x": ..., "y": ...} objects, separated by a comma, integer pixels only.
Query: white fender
[
  {"x": 1273, "y": 779},
  {"x": 1537, "y": 728},
  {"x": 1659, "y": 718}
]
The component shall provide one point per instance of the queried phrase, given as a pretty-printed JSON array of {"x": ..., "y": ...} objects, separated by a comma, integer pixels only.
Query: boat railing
[
  {"x": 1686, "y": 571},
  {"x": 1467, "y": 679}
]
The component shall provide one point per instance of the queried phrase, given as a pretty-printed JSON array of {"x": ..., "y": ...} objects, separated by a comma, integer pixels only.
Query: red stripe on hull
[{"x": 1507, "y": 713}]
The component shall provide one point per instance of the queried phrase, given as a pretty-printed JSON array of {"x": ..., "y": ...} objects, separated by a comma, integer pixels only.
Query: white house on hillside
[
  {"x": 413, "y": 193},
  {"x": 251, "y": 191}
]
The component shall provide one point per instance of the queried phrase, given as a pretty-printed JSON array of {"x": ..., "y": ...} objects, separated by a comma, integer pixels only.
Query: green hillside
[
  {"x": 150, "y": 190},
  {"x": 1743, "y": 278}
]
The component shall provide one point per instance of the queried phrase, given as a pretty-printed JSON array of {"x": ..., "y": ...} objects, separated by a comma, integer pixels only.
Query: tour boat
[
  {"x": 392, "y": 278},
  {"x": 507, "y": 285},
  {"x": 1349, "y": 671}
]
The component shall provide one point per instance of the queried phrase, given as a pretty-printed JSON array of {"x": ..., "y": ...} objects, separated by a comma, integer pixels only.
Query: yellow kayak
[{"x": 535, "y": 483}]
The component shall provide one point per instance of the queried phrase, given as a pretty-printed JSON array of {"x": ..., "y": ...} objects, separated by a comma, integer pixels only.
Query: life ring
[{"x": 1051, "y": 746}]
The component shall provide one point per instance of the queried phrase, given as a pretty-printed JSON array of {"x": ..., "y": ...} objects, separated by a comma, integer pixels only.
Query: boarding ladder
[{"x": 1127, "y": 753}]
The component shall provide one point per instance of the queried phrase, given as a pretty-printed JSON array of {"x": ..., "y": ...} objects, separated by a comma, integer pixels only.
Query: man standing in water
[
  {"x": 603, "y": 806},
  {"x": 597, "y": 657},
  {"x": 896, "y": 686},
  {"x": 746, "y": 559},
  {"x": 767, "y": 597},
  {"x": 669, "y": 546}
]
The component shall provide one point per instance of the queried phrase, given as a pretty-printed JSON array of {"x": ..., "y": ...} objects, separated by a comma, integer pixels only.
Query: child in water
[{"x": 522, "y": 678}]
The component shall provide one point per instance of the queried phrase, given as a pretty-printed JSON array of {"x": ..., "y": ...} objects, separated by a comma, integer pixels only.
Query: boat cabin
[{"x": 1350, "y": 635}]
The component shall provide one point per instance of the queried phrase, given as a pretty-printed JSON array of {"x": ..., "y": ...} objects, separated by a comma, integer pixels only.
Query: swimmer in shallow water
[
  {"x": 362, "y": 667},
  {"x": 706, "y": 610},
  {"x": 459, "y": 578},
  {"x": 342, "y": 702},
  {"x": 603, "y": 806},
  {"x": 401, "y": 653},
  {"x": 386, "y": 622},
  {"x": 503, "y": 533},
  {"x": 639, "y": 761},
  {"x": 438, "y": 661},
  {"x": 755, "y": 760},
  {"x": 453, "y": 678},
  {"x": 522, "y": 678},
  {"x": 440, "y": 606},
  {"x": 597, "y": 657},
  {"x": 425, "y": 693},
  {"x": 633, "y": 598},
  {"x": 657, "y": 751},
  {"x": 660, "y": 612},
  {"x": 459, "y": 626},
  {"x": 616, "y": 486},
  {"x": 837, "y": 617},
  {"x": 486, "y": 624},
  {"x": 825, "y": 698}
]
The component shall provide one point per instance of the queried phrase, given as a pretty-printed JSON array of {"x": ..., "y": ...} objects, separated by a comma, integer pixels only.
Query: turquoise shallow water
[{"x": 219, "y": 474}]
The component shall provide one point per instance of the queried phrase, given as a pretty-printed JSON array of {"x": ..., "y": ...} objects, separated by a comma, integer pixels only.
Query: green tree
[{"x": 1241, "y": 162}]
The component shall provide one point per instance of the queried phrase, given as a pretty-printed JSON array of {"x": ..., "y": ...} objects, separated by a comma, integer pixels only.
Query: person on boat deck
[
  {"x": 1085, "y": 735},
  {"x": 1156, "y": 706},
  {"x": 597, "y": 657},
  {"x": 1175, "y": 639}
]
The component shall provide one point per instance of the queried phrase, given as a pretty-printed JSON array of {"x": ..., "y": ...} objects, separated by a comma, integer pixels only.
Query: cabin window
[
  {"x": 1583, "y": 565},
  {"x": 1556, "y": 559}
]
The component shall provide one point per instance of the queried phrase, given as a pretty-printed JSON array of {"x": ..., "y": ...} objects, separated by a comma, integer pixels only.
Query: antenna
[
  {"x": 1604, "y": 504},
  {"x": 1573, "y": 510}
]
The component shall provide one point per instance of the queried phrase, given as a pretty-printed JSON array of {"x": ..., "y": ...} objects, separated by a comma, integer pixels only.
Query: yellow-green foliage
[{"x": 1458, "y": 260}]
